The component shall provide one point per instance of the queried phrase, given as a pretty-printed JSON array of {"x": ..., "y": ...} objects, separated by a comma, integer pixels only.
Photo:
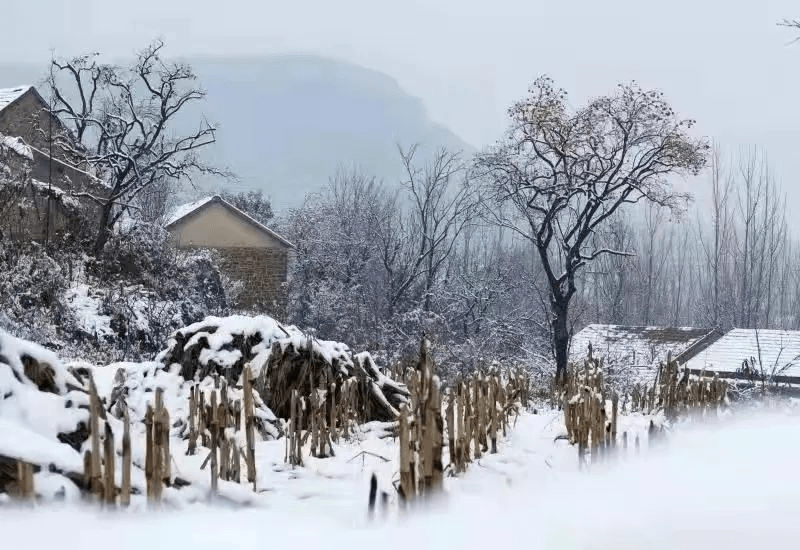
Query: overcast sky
[{"x": 724, "y": 63}]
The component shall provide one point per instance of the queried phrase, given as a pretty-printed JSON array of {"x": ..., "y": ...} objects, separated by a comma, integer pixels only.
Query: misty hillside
[{"x": 287, "y": 122}]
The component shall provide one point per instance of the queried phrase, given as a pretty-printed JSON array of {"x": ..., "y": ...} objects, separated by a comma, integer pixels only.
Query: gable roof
[
  {"x": 778, "y": 349},
  {"x": 189, "y": 210},
  {"x": 640, "y": 346},
  {"x": 10, "y": 95}
]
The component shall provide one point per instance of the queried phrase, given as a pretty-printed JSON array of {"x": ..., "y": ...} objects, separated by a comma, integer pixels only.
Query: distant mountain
[{"x": 288, "y": 121}]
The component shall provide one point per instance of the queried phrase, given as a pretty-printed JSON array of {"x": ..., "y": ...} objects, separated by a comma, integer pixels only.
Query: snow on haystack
[
  {"x": 281, "y": 359},
  {"x": 43, "y": 416},
  {"x": 224, "y": 345}
]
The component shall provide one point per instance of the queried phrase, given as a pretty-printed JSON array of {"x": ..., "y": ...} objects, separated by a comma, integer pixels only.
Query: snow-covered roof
[
  {"x": 638, "y": 346},
  {"x": 186, "y": 209},
  {"x": 777, "y": 349},
  {"x": 10, "y": 95},
  {"x": 192, "y": 208}
]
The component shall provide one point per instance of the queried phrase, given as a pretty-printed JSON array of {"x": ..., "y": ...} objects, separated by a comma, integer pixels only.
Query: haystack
[
  {"x": 282, "y": 359},
  {"x": 302, "y": 364},
  {"x": 222, "y": 346}
]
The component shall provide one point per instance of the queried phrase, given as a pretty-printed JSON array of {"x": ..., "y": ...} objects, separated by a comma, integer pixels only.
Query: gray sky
[{"x": 724, "y": 63}]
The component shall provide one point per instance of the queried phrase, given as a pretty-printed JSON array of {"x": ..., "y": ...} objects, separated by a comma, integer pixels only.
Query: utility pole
[{"x": 50, "y": 158}]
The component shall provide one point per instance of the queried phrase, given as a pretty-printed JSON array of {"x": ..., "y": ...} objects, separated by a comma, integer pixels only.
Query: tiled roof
[
  {"x": 636, "y": 346},
  {"x": 10, "y": 95},
  {"x": 777, "y": 349}
]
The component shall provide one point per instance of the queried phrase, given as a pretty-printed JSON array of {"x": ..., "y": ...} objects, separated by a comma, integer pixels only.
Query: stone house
[
  {"x": 250, "y": 252},
  {"x": 53, "y": 180}
]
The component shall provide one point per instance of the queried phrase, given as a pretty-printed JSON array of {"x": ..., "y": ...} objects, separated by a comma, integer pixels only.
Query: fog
[
  {"x": 732, "y": 485},
  {"x": 724, "y": 63}
]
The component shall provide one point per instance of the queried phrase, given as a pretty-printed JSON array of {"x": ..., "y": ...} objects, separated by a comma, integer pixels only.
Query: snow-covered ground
[{"x": 734, "y": 484}]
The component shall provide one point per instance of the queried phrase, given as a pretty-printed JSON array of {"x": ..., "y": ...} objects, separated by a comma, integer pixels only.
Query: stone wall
[
  {"x": 28, "y": 119},
  {"x": 25, "y": 118}
]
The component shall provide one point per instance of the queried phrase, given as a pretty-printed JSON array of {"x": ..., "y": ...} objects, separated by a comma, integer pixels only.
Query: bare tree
[
  {"x": 155, "y": 201},
  {"x": 124, "y": 120},
  {"x": 252, "y": 202},
  {"x": 716, "y": 247},
  {"x": 441, "y": 207},
  {"x": 558, "y": 176},
  {"x": 791, "y": 23}
]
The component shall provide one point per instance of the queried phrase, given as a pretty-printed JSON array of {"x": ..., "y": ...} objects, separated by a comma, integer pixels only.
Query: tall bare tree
[
  {"x": 559, "y": 175},
  {"x": 123, "y": 119},
  {"x": 441, "y": 207}
]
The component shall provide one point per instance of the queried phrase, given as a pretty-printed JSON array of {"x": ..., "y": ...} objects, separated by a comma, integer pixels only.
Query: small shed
[
  {"x": 251, "y": 252},
  {"x": 640, "y": 348},
  {"x": 771, "y": 353}
]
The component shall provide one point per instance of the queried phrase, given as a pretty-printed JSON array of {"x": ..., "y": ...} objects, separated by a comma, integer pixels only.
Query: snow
[
  {"x": 65, "y": 198},
  {"x": 220, "y": 332},
  {"x": 86, "y": 309},
  {"x": 17, "y": 145},
  {"x": 634, "y": 346},
  {"x": 696, "y": 489},
  {"x": 186, "y": 209},
  {"x": 699, "y": 491},
  {"x": 19, "y": 442},
  {"x": 30, "y": 419}
]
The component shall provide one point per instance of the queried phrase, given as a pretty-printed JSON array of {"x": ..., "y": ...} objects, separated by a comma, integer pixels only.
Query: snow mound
[{"x": 43, "y": 408}]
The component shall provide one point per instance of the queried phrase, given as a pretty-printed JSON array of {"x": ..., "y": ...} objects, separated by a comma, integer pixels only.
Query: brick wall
[{"x": 263, "y": 272}]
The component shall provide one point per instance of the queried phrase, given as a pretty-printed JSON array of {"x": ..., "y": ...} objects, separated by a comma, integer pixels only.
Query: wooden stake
[
  {"x": 249, "y": 411},
  {"x": 24, "y": 480},
  {"x": 125, "y": 496},
  {"x": 408, "y": 491},
  {"x": 109, "y": 457},
  {"x": 332, "y": 394},
  {"x": 214, "y": 443},
  {"x": 149, "y": 453},
  {"x": 192, "y": 421},
  {"x": 451, "y": 430},
  {"x": 435, "y": 434},
  {"x": 94, "y": 430}
]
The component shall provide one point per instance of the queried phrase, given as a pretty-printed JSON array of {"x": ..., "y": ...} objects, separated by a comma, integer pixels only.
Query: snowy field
[{"x": 732, "y": 485}]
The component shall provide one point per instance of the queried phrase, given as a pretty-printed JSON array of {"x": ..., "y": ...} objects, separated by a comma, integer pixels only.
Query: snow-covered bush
[{"x": 120, "y": 305}]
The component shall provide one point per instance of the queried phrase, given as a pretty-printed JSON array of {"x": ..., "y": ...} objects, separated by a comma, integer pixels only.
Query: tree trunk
[
  {"x": 560, "y": 307},
  {"x": 103, "y": 230}
]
